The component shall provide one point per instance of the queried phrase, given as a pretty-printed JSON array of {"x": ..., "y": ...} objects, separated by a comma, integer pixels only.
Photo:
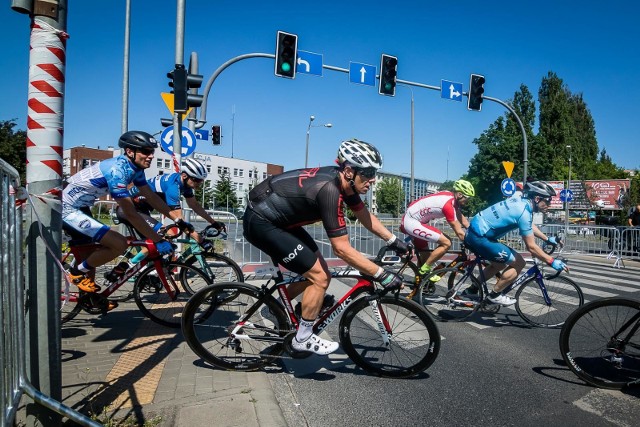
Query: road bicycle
[
  {"x": 161, "y": 288},
  {"x": 240, "y": 327},
  {"x": 217, "y": 267},
  {"x": 600, "y": 343},
  {"x": 409, "y": 271},
  {"x": 541, "y": 300}
]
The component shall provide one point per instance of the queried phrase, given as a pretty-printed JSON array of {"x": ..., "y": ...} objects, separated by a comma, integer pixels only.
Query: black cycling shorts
[{"x": 294, "y": 248}]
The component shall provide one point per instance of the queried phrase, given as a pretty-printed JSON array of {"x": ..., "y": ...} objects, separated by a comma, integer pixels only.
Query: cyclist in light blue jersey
[
  {"x": 170, "y": 188},
  {"x": 496, "y": 221},
  {"x": 111, "y": 176}
]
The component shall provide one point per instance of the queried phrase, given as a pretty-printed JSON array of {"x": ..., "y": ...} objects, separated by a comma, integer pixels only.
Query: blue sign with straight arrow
[{"x": 362, "y": 74}]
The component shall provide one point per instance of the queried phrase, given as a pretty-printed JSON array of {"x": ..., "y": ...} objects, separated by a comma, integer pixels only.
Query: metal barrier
[{"x": 13, "y": 374}]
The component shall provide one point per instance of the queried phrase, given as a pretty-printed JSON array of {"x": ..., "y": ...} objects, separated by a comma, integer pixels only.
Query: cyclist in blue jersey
[
  {"x": 496, "y": 221},
  {"x": 170, "y": 187},
  {"x": 112, "y": 176}
]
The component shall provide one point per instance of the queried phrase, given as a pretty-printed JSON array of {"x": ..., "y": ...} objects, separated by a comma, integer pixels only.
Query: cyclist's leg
[{"x": 422, "y": 235}]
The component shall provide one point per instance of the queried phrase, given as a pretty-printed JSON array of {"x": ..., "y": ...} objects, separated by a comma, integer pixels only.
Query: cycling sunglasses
[
  {"x": 196, "y": 180},
  {"x": 367, "y": 173},
  {"x": 146, "y": 151}
]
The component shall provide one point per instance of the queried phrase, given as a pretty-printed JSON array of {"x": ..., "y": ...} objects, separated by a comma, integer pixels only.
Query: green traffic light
[
  {"x": 388, "y": 86},
  {"x": 286, "y": 67}
]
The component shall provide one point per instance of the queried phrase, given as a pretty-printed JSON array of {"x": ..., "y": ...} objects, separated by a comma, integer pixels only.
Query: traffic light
[
  {"x": 476, "y": 89},
  {"x": 166, "y": 122},
  {"x": 182, "y": 82},
  {"x": 388, "y": 75},
  {"x": 286, "y": 52},
  {"x": 215, "y": 135}
]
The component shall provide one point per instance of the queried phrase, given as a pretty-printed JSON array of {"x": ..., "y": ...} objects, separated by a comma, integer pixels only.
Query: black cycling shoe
[{"x": 327, "y": 303}]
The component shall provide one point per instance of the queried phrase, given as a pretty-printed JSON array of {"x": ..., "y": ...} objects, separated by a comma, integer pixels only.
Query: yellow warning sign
[
  {"x": 168, "y": 100},
  {"x": 508, "y": 167}
]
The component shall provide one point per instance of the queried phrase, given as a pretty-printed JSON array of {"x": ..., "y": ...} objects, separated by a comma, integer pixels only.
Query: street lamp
[
  {"x": 311, "y": 119},
  {"x": 412, "y": 194},
  {"x": 566, "y": 200}
]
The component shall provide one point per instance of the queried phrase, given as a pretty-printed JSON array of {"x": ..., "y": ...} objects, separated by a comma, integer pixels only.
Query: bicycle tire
[
  {"x": 69, "y": 307},
  {"x": 440, "y": 300},
  {"x": 585, "y": 340},
  {"x": 414, "y": 341},
  {"x": 565, "y": 295},
  {"x": 151, "y": 296},
  {"x": 218, "y": 268},
  {"x": 210, "y": 315}
]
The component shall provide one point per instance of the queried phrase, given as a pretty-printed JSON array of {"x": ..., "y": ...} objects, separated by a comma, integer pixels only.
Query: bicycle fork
[{"x": 382, "y": 322}]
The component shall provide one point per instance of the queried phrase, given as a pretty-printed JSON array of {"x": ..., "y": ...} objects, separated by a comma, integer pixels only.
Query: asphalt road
[{"x": 495, "y": 371}]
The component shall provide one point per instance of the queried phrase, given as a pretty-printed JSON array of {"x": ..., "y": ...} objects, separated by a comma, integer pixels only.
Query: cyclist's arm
[
  {"x": 158, "y": 204},
  {"x": 535, "y": 250},
  {"x": 343, "y": 250},
  {"x": 373, "y": 224},
  {"x": 129, "y": 211},
  {"x": 464, "y": 221},
  {"x": 457, "y": 228}
]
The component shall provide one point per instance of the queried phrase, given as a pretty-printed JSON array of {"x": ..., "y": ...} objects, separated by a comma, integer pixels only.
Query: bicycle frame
[
  {"x": 534, "y": 270},
  {"x": 362, "y": 286},
  {"x": 79, "y": 252}
]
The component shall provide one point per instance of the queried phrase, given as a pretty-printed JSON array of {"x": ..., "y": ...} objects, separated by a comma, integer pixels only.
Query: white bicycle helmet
[
  {"x": 194, "y": 168},
  {"x": 539, "y": 188},
  {"x": 359, "y": 154}
]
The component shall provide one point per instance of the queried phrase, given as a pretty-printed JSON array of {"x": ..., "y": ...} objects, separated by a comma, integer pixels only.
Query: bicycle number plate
[
  {"x": 266, "y": 271},
  {"x": 390, "y": 259}
]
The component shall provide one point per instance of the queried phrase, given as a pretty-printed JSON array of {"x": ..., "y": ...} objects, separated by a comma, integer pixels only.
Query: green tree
[
  {"x": 204, "y": 195},
  {"x": 13, "y": 147},
  {"x": 389, "y": 196},
  {"x": 224, "y": 193}
]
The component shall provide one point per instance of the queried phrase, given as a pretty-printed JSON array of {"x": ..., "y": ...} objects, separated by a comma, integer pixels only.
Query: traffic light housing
[
  {"x": 215, "y": 135},
  {"x": 476, "y": 89},
  {"x": 182, "y": 82},
  {"x": 388, "y": 75},
  {"x": 286, "y": 53}
]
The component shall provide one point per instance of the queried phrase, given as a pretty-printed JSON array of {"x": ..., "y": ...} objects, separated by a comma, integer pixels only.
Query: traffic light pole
[{"x": 203, "y": 110}]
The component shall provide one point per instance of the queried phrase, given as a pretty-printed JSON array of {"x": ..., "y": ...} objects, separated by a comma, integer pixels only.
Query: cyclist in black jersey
[{"x": 279, "y": 206}]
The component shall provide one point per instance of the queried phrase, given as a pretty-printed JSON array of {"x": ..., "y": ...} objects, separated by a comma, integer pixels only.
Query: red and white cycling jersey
[{"x": 433, "y": 206}]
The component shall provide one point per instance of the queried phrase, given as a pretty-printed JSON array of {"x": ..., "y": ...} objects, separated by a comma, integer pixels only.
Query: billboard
[{"x": 608, "y": 194}]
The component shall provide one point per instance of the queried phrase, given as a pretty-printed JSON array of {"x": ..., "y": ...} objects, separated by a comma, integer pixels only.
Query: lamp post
[
  {"x": 412, "y": 194},
  {"x": 311, "y": 119},
  {"x": 566, "y": 202}
]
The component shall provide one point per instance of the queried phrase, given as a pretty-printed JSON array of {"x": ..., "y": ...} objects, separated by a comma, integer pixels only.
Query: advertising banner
[{"x": 607, "y": 194}]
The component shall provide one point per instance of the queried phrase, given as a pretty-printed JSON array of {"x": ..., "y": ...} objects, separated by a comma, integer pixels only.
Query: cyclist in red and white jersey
[{"x": 445, "y": 204}]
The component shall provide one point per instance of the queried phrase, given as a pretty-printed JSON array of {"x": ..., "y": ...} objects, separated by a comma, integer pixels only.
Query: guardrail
[
  {"x": 613, "y": 242},
  {"x": 13, "y": 375}
]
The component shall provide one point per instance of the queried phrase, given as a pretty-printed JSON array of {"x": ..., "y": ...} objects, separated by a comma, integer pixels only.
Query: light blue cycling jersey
[
  {"x": 110, "y": 176},
  {"x": 499, "y": 219},
  {"x": 168, "y": 187}
]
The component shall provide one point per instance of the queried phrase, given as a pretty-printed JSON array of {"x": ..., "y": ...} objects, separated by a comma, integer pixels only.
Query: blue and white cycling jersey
[
  {"x": 169, "y": 188},
  {"x": 110, "y": 176},
  {"x": 499, "y": 219}
]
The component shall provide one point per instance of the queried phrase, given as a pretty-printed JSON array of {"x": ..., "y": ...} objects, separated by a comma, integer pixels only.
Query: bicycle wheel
[
  {"x": 211, "y": 317},
  {"x": 69, "y": 307},
  {"x": 445, "y": 302},
  {"x": 408, "y": 272},
  {"x": 217, "y": 267},
  {"x": 565, "y": 298},
  {"x": 414, "y": 340},
  {"x": 590, "y": 343},
  {"x": 152, "y": 297}
]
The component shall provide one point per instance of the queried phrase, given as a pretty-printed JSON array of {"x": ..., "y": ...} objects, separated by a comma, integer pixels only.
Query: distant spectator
[{"x": 634, "y": 216}]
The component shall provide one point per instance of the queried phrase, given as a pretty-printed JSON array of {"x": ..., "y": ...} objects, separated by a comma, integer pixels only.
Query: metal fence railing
[
  {"x": 13, "y": 375},
  {"x": 612, "y": 242}
]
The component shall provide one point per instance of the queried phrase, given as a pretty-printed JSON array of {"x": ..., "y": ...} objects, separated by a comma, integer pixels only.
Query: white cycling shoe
[
  {"x": 503, "y": 300},
  {"x": 315, "y": 344}
]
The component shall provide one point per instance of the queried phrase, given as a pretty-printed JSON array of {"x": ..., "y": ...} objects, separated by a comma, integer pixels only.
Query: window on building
[
  {"x": 240, "y": 186},
  {"x": 250, "y": 173},
  {"x": 264, "y": 175},
  {"x": 167, "y": 163},
  {"x": 241, "y": 172},
  {"x": 235, "y": 171},
  {"x": 159, "y": 163}
]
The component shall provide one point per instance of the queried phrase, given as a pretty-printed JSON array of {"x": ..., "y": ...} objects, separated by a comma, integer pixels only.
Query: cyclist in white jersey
[
  {"x": 445, "y": 204},
  {"x": 493, "y": 223},
  {"x": 112, "y": 176}
]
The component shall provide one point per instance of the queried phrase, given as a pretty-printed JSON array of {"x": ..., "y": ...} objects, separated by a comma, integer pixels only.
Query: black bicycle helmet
[
  {"x": 136, "y": 139},
  {"x": 539, "y": 188}
]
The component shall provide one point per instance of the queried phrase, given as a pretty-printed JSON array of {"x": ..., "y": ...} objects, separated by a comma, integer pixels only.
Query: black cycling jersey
[{"x": 304, "y": 196}]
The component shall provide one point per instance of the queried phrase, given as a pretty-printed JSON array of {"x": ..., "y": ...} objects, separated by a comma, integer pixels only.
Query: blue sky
[{"x": 593, "y": 48}]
